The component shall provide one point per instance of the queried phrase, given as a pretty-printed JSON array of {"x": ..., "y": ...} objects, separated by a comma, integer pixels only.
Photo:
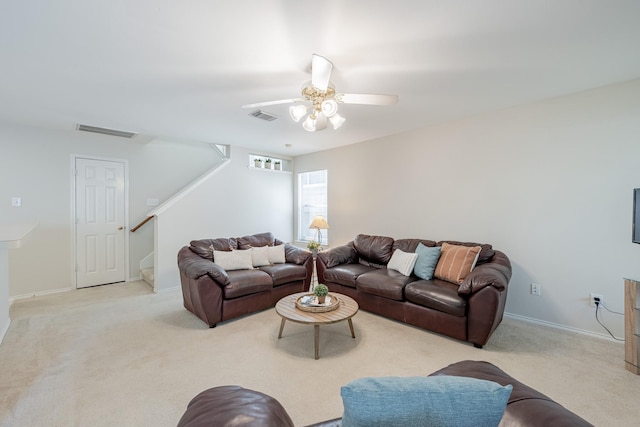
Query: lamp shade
[
  {"x": 337, "y": 120},
  {"x": 319, "y": 223},
  {"x": 297, "y": 112},
  {"x": 310, "y": 124},
  {"x": 329, "y": 107}
]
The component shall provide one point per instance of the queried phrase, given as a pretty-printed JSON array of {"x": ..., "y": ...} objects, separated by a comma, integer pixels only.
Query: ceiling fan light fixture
[
  {"x": 321, "y": 94},
  {"x": 297, "y": 112},
  {"x": 337, "y": 121},
  {"x": 329, "y": 107}
]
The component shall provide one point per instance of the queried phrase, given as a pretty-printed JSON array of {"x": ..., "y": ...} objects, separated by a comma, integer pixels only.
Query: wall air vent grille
[
  {"x": 105, "y": 131},
  {"x": 262, "y": 115}
]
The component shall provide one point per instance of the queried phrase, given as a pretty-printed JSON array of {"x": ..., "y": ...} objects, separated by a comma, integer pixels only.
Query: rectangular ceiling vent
[
  {"x": 105, "y": 131},
  {"x": 264, "y": 116}
]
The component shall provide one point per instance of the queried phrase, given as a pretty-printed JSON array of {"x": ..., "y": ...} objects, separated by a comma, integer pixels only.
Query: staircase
[
  {"x": 147, "y": 269},
  {"x": 147, "y": 275}
]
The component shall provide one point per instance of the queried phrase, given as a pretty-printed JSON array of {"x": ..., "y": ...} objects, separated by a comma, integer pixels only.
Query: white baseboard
[
  {"x": 37, "y": 294},
  {"x": 4, "y": 332},
  {"x": 558, "y": 326}
]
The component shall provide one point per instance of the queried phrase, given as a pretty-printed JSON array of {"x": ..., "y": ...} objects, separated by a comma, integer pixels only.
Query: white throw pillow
[
  {"x": 402, "y": 262},
  {"x": 260, "y": 256},
  {"x": 276, "y": 254},
  {"x": 233, "y": 260}
]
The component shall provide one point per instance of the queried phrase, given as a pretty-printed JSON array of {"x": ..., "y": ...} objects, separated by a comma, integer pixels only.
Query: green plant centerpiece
[
  {"x": 313, "y": 246},
  {"x": 321, "y": 292}
]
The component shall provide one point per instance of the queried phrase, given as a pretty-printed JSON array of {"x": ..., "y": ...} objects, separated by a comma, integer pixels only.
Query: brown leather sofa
[
  {"x": 240, "y": 407},
  {"x": 469, "y": 311},
  {"x": 216, "y": 295}
]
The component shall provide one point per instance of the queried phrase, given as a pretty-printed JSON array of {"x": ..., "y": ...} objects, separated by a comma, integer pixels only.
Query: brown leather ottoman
[{"x": 232, "y": 405}]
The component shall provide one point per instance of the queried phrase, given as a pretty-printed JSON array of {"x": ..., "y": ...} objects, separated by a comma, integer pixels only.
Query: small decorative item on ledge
[
  {"x": 267, "y": 164},
  {"x": 321, "y": 292},
  {"x": 276, "y": 165},
  {"x": 257, "y": 163}
]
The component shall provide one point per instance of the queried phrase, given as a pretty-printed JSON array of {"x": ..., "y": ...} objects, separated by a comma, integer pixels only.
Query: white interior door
[{"x": 100, "y": 226}]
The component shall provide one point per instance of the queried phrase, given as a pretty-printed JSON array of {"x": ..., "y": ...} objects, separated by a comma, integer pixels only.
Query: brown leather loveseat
[
  {"x": 469, "y": 310},
  {"x": 240, "y": 407},
  {"x": 215, "y": 294}
]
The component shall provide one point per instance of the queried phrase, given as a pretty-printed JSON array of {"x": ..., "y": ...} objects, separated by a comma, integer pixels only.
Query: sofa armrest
[
  {"x": 194, "y": 266},
  {"x": 526, "y": 406},
  {"x": 345, "y": 254},
  {"x": 295, "y": 255},
  {"x": 496, "y": 273}
]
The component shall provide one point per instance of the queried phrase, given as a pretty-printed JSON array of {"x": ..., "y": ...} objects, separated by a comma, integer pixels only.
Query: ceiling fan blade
[
  {"x": 321, "y": 69},
  {"x": 266, "y": 103},
  {"x": 370, "y": 99}
]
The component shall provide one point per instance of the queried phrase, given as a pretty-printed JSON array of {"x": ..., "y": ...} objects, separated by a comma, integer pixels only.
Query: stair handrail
[
  {"x": 143, "y": 222},
  {"x": 222, "y": 150}
]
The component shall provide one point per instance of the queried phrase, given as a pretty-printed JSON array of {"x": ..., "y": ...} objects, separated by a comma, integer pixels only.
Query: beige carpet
[{"x": 120, "y": 355}]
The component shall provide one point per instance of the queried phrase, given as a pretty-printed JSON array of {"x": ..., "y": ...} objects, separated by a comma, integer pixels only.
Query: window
[{"x": 312, "y": 201}]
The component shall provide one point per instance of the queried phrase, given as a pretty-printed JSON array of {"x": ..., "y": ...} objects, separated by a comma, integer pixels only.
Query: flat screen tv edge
[{"x": 636, "y": 216}]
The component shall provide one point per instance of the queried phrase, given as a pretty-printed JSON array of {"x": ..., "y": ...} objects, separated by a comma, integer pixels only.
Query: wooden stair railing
[{"x": 147, "y": 219}]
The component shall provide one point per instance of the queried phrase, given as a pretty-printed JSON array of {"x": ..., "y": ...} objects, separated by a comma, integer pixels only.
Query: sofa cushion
[
  {"x": 233, "y": 260},
  {"x": 256, "y": 240},
  {"x": 373, "y": 250},
  {"x": 402, "y": 262},
  {"x": 260, "y": 256},
  {"x": 437, "y": 294},
  {"x": 276, "y": 254},
  {"x": 234, "y": 406},
  {"x": 410, "y": 245},
  {"x": 247, "y": 282},
  {"x": 426, "y": 262},
  {"x": 456, "y": 262},
  {"x": 384, "y": 282},
  {"x": 485, "y": 255},
  {"x": 205, "y": 247},
  {"x": 285, "y": 273},
  {"x": 423, "y": 401},
  {"x": 345, "y": 254},
  {"x": 345, "y": 274}
]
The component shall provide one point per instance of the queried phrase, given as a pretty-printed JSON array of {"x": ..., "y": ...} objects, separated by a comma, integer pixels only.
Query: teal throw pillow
[
  {"x": 443, "y": 401},
  {"x": 427, "y": 260}
]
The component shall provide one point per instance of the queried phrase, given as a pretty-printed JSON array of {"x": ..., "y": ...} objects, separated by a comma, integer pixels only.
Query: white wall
[
  {"x": 35, "y": 164},
  {"x": 550, "y": 184},
  {"x": 235, "y": 201}
]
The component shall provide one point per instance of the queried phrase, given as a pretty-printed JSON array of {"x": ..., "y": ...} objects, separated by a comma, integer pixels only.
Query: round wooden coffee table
[{"x": 287, "y": 309}]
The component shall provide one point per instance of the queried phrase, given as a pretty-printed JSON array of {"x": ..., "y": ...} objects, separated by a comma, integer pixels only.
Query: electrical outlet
[
  {"x": 536, "y": 289},
  {"x": 592, "y": 299}
]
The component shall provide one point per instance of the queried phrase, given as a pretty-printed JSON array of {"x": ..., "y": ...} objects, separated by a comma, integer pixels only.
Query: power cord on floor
[{"x": 602, "y": 324}]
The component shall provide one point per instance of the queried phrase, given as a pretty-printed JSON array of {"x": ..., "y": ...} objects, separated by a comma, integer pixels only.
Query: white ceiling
[{"x": 182, "y": 69}]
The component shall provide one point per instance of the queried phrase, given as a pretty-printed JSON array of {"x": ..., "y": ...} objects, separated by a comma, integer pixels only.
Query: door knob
[{"x": 121, "y": 228}]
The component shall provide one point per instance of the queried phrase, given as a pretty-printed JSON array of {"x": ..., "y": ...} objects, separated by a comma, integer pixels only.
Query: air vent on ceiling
[
  {"x": 262, "y": 115},
  {"x": 105, "y": 131}
]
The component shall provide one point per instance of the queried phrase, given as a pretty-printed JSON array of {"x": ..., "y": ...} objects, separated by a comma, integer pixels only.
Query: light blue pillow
[
  {"x": 427, "y": 260},
  {"x": 443, "y": 401}
]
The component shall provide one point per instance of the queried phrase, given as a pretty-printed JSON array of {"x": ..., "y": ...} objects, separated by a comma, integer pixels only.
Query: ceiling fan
[{"x": 324, "y": 99}]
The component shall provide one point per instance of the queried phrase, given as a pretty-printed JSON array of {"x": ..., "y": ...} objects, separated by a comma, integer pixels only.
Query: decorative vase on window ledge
[
  {"x": 257, "y": 163},
  {"x": 267, "y": 164},
  {"x": 276, "y": 166}
]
